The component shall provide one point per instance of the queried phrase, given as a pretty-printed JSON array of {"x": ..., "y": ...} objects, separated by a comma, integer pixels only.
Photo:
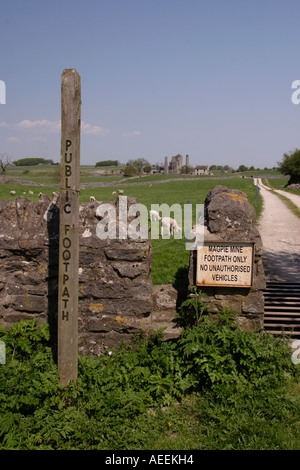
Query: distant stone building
[
  {"x": 200, "y": 170},
  {"x": 175, "y": 165}
]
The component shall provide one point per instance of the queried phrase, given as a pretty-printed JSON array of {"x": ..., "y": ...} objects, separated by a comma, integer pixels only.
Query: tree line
[
  {"x": 33, "y": 162},
  {"x": 108, "y": 163}
]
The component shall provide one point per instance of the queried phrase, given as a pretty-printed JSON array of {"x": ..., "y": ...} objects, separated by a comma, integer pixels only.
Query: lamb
[
  {"x": 30, "y": 192},
  {"x": 92, "y": 199},
  {"x": 154, "y": 215},
  {"x": 13, "y": 193},
  {"x": 170, "y": 224},
  {"x": 121, "y": 191},
  {"x": 114, "y": 192}
]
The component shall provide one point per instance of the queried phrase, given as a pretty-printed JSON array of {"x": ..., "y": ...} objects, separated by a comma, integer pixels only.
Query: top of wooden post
[{"x": 71, "y": 97}]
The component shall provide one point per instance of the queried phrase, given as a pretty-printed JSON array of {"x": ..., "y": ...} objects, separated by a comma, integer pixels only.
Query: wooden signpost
[{"x": 69, "y": 227}]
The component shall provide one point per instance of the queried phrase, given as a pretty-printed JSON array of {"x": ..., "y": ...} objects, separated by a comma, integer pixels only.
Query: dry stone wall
[{"x": 116, "y": 294}]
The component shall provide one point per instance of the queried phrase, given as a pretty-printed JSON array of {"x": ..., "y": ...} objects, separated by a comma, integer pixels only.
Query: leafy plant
[
  {"x": 24, "y": 338},
  {"x": 191, "y": 311},
  {"x": 132, "y": 399}
]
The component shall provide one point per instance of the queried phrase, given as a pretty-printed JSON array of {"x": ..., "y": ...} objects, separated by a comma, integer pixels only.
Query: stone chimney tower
[
  {"x": 187, "y": 162},
  {"x": 166, "y": 170}
]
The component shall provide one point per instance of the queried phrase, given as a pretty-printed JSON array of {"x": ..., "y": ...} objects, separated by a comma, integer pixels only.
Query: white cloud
[
  {"x": 37, "y": 138},
  {"x": 95, "y": 130},
  {"x": 3, "y": 124},
  {"x": 132, "y": 134},
  {"x": 12, "y": 140},
  {"x": 46, "y": 127},
  {"x": 43, "y": 125}
]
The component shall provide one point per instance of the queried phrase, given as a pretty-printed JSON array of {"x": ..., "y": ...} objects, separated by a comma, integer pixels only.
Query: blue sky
[{"x": 208, "y": 78}]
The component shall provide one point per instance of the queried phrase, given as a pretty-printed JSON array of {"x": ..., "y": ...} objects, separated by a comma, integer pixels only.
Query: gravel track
[{"x": 280, "y": 232}]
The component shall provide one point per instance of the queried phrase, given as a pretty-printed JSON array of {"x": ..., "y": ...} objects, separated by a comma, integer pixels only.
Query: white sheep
[
  {"x": 13, "y": 193},
  {"x": 170, "y": 224},
  {"x": 154, "y": 215},
  {"x": 92, "y": 199},
  {"x": 30, "y": 192},
  {"x": 114, "y": 192},
  {"x": 121, "y": 191},
  {"x": 40, "y": 195}
]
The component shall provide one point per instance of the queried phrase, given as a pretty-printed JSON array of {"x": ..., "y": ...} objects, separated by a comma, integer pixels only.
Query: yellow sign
[{"x": 225, "y": 264}]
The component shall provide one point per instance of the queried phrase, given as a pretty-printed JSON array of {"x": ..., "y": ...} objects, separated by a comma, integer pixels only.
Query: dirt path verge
[
  {"x": 293, "y": 197},
  {"x": 280, "y": 233}
]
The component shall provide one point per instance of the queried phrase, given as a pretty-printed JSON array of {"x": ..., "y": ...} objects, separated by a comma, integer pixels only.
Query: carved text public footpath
[{"x": 66, "y": 242}]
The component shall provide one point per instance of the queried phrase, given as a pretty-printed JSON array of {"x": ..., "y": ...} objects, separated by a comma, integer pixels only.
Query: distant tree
[
  {"x": 139, "y": 164},
  {"x": 184, "y": 170},
  {"x": 108, "y": 163},
  {"x": 130, "y": 170},
  {"x": 213, "y": 167},
  {"x": 147, "y": 168},
  {"x": 33, "y": 161},
  {"x": 5, "y": 161},
  {"x": 242, "y": 168},
  {"x": 227, "y": 168},
  {"x": 290, "y": 166}
]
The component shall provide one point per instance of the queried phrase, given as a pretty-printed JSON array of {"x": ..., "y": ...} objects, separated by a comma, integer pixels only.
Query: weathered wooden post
[{"x": 68, "y": 232}]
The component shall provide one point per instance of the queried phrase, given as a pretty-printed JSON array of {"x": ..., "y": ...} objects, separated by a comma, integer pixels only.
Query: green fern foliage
[{"x": 119, "y": 400}]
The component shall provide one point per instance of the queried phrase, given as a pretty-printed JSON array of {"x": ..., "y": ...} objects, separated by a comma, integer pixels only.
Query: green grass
[
  {"x": 247, "y": 422},
  {"x": 21, "y": 189},
  {"x": 172, "y": 192},
  {"x": 278, "y": 182}
]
